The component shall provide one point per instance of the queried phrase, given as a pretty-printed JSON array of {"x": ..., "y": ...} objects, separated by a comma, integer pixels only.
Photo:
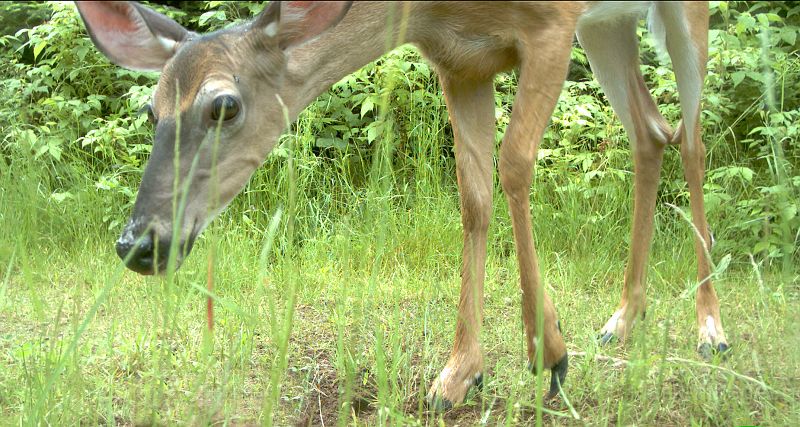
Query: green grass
[
  {"x": 347, "y": 315},
  {"x": 376, "y": 287}
]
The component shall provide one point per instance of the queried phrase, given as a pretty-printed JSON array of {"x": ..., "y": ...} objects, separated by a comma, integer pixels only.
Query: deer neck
[{"x": 367, "y": 32}]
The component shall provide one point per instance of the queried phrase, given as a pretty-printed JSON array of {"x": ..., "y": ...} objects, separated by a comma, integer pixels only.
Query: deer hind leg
[
  {"x": 612, "y": 50},
  {"x": 542, "y": 71},
  {"x": 471, "y": 107},
  {"x": 687, "y": 37}
]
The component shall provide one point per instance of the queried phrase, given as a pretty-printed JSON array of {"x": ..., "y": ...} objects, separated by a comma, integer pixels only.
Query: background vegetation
[{"x": 369, "y": 269}]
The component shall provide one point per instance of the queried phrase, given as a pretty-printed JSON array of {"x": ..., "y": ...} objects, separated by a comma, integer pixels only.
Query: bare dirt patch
[{"x": 324, "y": 400}]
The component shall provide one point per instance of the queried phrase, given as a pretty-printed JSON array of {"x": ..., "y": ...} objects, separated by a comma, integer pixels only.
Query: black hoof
[
  {"x": 478, "y": 381},
  {"x": 558, "y": 374},
  {"x": 606, "y": 338},
  {"x": 704, "y": 350},
  {"x": 708, "y": 352},
  {"x": 439, "y": 404}
]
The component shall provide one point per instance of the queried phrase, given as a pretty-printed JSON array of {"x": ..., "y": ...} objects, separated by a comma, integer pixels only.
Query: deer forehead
[{"x": 198, "y": 69}]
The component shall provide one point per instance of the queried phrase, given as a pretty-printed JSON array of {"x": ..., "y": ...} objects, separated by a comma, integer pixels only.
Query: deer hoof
[
  {"x": 606, "y": 338},
  {"x": 707, "y": 351},
  {"x": 558, "y": 375},
  {"x": 479, "y": 381},
  {"x": 439, "y": 404}
]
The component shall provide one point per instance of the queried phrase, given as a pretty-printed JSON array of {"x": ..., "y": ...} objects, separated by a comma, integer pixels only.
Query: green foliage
[
  {"x": 64, "y": 105},
  {"x": 754, "y": 103},
  {"x": 376, "y": 264},
  {"x": 68, "y": 108}
]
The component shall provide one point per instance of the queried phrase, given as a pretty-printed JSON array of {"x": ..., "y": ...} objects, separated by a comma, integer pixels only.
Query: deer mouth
[{"x": 148, "y": 252}]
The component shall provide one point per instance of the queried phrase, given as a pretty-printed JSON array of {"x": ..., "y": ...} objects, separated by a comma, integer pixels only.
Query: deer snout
[
  {"x": 147, "y": 252},
  {"x": 139, "y": 251}
]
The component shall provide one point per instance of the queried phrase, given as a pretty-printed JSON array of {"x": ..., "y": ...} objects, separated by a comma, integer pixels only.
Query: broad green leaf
[
  {"x": 331, "y": 143},
  {"x": 723, "y": 264},
  {"x": 60, "y": 197},
  {"x": 38, "y": 48},
  {"x": 761, "y": 246},
  {"x": 366, "y": 106},
  {"x": 789, "y": 35},
  {"x": 737, "y": 77},
  {"x": 789, "y": 211}
]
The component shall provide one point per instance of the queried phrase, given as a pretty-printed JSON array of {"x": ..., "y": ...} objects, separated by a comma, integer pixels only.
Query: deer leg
[
  {"x": 612, "y": 51},
  {"x": 688, "y": 51},
  {"x": 471, "y": 107},
  {"x": 711, "y": 335},
  {"x": 647, "y": 157},
  {"x": 541, "y": 79},
  {"x": 648, "y": 152}
]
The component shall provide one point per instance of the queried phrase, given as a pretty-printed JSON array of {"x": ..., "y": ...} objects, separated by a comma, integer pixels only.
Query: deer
[{"x": 237, "y": 83}]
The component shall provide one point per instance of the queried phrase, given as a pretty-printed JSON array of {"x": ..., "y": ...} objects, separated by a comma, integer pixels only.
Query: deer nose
[{"x": 139, "y": 253}]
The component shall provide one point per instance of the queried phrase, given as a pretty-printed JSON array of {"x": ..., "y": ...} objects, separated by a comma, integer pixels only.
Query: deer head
[{"x": 215, "y": 110}]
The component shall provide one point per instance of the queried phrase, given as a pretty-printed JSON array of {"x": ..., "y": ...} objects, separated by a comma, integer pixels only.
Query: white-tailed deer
[{"x": 294, "y": 51}]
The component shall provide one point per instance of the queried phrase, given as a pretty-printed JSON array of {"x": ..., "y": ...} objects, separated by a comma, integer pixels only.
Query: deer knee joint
[{"x": 515, "y": 173}]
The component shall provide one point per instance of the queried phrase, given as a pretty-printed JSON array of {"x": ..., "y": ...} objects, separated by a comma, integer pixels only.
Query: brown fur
[{"x": 468, "y": 43}]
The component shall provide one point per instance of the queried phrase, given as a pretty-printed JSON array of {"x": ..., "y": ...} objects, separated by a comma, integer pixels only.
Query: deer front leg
[
  {"x": 471, "y": 106},
  {"x": 541, "y": 78},
  {"x": 516, "y": 165}
]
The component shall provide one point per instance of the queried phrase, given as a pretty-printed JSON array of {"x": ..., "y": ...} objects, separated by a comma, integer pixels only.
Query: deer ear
[
  {"x": 296, "y": 22},
  {"x": 131, "y": 35}
]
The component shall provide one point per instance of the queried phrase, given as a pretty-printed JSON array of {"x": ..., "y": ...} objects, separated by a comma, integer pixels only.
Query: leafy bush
[{"x": 67, "y": 107}]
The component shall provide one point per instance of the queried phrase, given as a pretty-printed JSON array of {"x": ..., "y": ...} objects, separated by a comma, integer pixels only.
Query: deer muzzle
[{"x": 147, "y": 251}]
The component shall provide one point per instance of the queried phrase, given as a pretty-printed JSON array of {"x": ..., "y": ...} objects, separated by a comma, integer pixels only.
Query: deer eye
[{"x": 225, "y": 107}]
